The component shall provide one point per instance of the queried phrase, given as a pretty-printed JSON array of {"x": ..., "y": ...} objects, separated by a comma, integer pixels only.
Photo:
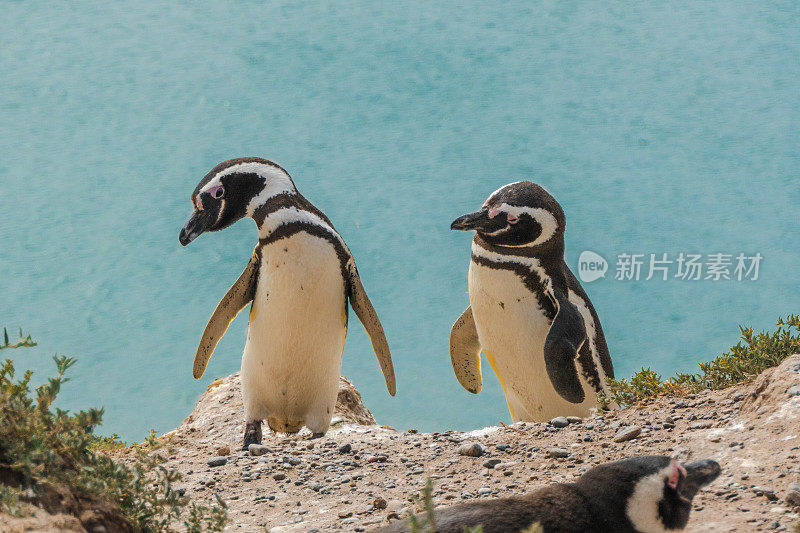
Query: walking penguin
[{"x": 299, "y": 279}]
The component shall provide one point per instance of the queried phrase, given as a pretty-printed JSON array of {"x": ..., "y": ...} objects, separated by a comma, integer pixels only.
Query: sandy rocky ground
[{"x": 361, "y": 474}]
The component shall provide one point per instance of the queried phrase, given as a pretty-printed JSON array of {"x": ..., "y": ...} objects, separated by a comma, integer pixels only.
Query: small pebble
[
  {"x": 291, "y": 459},
  {"x": 627, "y": 433},
  {"x": 793, "y": 495},
  {"x": 559, "y": 422},
  {"x": 217, "y": 461},
  {"x": 379, "y": 503},
  {"x": 223, "y": 450},
  {"x": 558, "y": 452},
  {"x": 471, "y": 449},
  {"x": 257, "y": 449}
]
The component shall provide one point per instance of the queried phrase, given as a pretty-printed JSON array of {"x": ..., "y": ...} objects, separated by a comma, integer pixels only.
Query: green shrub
[
  {"x": 754, "y": 353},
  {"x": 47, "y": 451}
]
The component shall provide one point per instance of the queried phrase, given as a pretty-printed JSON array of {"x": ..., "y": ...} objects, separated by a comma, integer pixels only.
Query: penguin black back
[{"x": 648, "y": 494}]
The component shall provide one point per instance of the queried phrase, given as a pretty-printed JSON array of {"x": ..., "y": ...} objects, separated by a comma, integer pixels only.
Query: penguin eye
[
  {"x": 217, "y": 192},
  {"x": 512, "y": 219}
]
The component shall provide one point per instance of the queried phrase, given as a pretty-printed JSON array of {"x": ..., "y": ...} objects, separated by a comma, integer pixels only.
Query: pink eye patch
[
  {"x": 216, "y": 192},
  {"x": 675, "y": 475},
  {"x": 512, "y": 219}
]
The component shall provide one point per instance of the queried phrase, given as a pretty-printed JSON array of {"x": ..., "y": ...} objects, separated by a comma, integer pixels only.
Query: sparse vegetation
[
  {"x": 49, "y": 458},
  {"x": 754, "y": 353}
]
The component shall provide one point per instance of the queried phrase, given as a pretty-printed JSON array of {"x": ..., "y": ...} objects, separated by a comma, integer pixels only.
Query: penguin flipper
[
  {"x": 566, "y": 336},
  {"x": 238, "y": 296},
  {"x": 369, "y": 318},
  {"x": 465, "y": 352}
]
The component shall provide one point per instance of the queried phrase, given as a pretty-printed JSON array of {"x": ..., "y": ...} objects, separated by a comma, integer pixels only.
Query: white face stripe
[
  {"x": 531, "y": 263},
  {"x": 276, "y": 182},
  {"x": 543, "y": 217},
  {"x": 642, "y": 507}
]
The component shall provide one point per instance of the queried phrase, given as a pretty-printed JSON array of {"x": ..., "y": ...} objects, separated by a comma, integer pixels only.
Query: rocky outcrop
[
  {"x": 360, "y": 475},
  {"x": 218, "y": 415}
]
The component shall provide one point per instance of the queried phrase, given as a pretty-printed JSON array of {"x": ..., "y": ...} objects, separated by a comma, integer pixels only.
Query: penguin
[
  {"x": 648, "y": 494},
  {"x": 299, "y": 279},
  {"x": 528, "y": 313}
]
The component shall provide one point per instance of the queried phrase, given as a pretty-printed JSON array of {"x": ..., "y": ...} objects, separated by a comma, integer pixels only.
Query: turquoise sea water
[{"x": 660, "y": 128}]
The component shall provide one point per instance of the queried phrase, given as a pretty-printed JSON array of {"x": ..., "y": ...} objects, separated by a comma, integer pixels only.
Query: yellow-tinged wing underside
[
  {"x": 465, "y": 352},
  {"x": 238, "y": 296},
  {"x": 369, "y": 318}
]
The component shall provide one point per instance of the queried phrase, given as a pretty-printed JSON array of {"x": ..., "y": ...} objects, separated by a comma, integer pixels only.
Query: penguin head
[
  {"x": 518, "y": 214},
  {"x": 649, "y": 493},
  {"x": 231, "y": 191}
]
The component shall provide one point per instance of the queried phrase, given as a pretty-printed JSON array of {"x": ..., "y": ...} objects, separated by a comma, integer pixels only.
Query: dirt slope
[
  {"x": 361, "y": 474},
  {"x": 358, "y": 475}
]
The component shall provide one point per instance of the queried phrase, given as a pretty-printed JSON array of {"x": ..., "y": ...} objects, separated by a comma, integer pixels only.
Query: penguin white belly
[
  {"x": 295, "y": 339},
  {"x": 512, "y": 329}
]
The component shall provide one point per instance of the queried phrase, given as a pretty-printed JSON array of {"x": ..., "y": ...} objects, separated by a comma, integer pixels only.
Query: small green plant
[
  {"x": 23, "y": 341},
  {"x": 103, "y": 443},
  {"x": 47, "y": 451},
  {"x": 427, "y": 523},
  {"x": 754, "y": 353}
]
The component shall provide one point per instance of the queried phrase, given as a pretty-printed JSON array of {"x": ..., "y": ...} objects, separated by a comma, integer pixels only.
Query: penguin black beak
[
  {"x": 698, "y": 475},
  {"x": 199, "y": 222},
  {"x": 479, "y": 220}
]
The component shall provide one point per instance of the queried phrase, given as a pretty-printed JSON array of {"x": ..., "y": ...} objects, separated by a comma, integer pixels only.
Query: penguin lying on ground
[
  {"x": 300, "y": 278},
  {"x": 528, "y": 312},
  {"x": 650, "y": 494}
]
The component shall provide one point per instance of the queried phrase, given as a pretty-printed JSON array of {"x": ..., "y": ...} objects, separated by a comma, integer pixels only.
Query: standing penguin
[
  {"x": 649, "y": 494},
  {"x": 527, "y": 311},
  {"x": 300, "y": 278}
]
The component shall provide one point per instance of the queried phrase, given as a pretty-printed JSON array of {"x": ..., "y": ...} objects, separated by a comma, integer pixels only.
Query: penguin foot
[
  {"x": 317, "y": 435},
  {"x": 252, "y": 434}
]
